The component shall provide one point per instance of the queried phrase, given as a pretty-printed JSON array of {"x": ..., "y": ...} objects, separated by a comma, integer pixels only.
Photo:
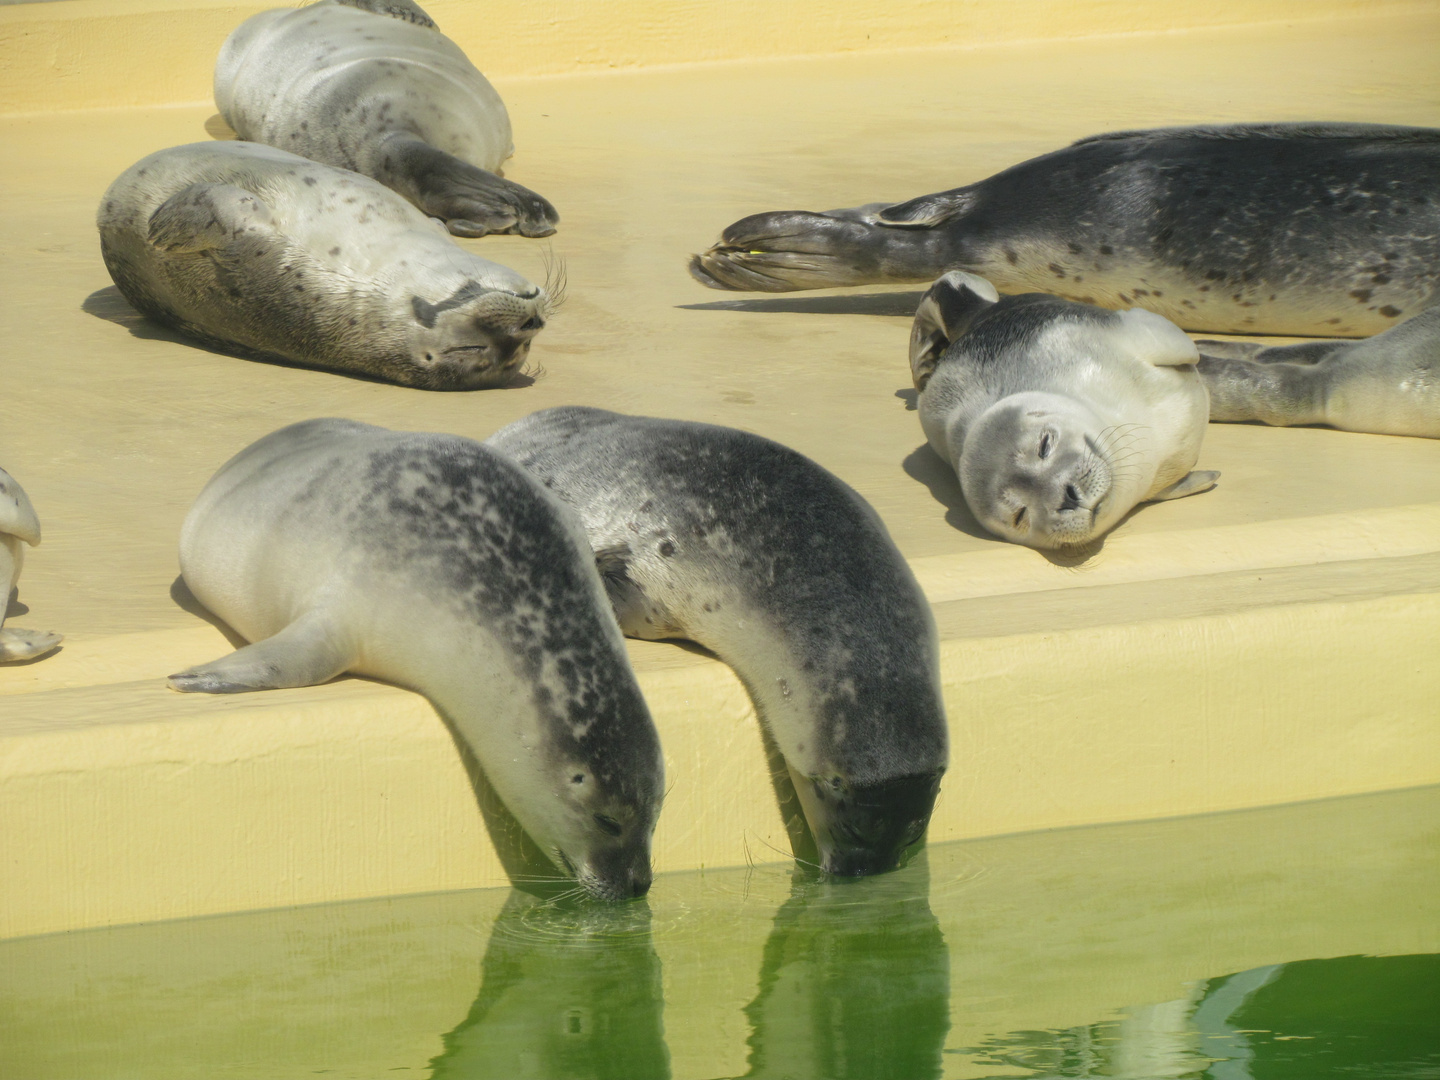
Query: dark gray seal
[
  {"x": 1308, "y": 229},
  {"x": 374, "y": 86},
  {"x": 1388, "y": 384},
  {"x": 760, "y": 555},
  {"x": 19, "y": 528},
  {"x": 256, "y": 251},
  {"x": 435, "y": 563}
]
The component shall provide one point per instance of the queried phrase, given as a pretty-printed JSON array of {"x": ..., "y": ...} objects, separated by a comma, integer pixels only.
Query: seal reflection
[
  {"x": 567, "y": 990},
  {"x": 855, "y": 982}
]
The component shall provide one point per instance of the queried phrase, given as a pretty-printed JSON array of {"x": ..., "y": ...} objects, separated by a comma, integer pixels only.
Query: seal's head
[
  {"x": 863, "y": 829},
  {"x": 477, "y": 337},
  {"x": 1035, "y": 470}
]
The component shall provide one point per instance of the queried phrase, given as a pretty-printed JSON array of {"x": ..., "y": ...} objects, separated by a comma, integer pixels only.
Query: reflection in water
[
  {"x": 1352, "y": 1018},
  {"x": 566, "y": 991},
  {"x": 855, "y": 982}
]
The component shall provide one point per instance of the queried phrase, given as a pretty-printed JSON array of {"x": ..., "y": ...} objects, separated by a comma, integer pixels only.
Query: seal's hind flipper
[
  {"x": 469, "y": 200},
  {"x": 928, "y": 210},
  {"x": 206, "y": 217},
  {"x": 305, "y": 653},
  {"x": 945, "y": 312},
  {"x": 19, "y": 644},
  {"x": 17, "y": 516},
  {"x": 1191, "y": 484}
]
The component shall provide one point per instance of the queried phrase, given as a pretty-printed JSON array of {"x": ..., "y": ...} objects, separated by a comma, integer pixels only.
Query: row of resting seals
[
  {"x": 19, "y": 528},
  {"x": 375, "y": 87},
  {"x": 1313, "y": 229},
  {"x": 433, "y": 562},
  {"x": 1389, "y": 384},
  {"x": 257, "y": 251},
  {"x": 763, "y": 557},
  {"x": 1057, "y": 417}
]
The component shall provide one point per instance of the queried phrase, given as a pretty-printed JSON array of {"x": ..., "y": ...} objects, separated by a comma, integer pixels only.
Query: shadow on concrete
[{"x": 185, "y": 601}]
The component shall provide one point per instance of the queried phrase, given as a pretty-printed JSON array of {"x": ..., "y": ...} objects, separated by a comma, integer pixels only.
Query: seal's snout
[
  {"x": 788, "y": 250},
  {"x": 863, "y": 829}
]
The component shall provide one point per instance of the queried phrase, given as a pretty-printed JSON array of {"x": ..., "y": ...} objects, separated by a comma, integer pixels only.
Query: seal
[
  {"x": 757, "y": 553},
  {"x": 375, "y": 87},
  {"x": 1388, "y": 384},
  {"x": 1307, "y": 229},
  {"x": 1057, "y": 417},
  {"x": 432, "y": 562},
  {"x": 19, "y": 527},
  {"x": 256, "y": 251}
]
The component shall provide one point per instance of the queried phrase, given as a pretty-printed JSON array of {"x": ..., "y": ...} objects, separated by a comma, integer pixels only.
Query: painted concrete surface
[{"x": 1272, "y": 640}]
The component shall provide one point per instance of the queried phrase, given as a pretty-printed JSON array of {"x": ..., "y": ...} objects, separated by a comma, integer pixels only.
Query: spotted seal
[
  {"x": 19, "y": 527},
  {"x": 433, "y": 562},
  {"x": 1389, "y": 384},
  {"x": 254, "y": 250},
  {"x": 1057, "y": 417},
  {"x": 760, "y": 555},
  {"x": 374, "y": 86},
  {"x": 1308, "y": 229}
]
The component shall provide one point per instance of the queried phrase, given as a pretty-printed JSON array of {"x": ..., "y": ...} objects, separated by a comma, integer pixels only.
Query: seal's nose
[{"x": 640, "y": 881}]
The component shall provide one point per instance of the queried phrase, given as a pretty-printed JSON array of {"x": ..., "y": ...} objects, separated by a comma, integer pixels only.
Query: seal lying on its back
[
  {"x": 254, "y": 250},
  {"x": 755, "y": 552},
  {"x": 1311, "y": 229},
  {"x": 1389, "y": 383},
  {"x": 1057, "y": 417},
  {"x": 433, "y": 562},
  {"x": 374, "y": 86},
  {"x": 18, "y": 526}
]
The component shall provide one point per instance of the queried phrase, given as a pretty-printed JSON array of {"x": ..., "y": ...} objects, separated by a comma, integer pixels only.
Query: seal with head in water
[
  {"x": 257, "y": 251},
  {"x": 1307, "y": 229},
  {"x": 783, "y": 571},
  {"x": 374, "y": 86},
  {"x": 19, "y": 527},
  {"x": 1389, "y": 384},
  {"x": 435, "y": 563},
  {"x": 1057, "y": 417}
]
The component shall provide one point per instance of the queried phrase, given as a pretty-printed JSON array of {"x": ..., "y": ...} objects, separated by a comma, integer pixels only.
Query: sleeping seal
[
  {"x": 1389, "y": 383},
  {"x": 755, "y": 552},
  {"x": 1306, "y": 229},
  {"x": 254, "y": 250},
  {"x": 18, "y": 527},
  {"x": 374, "y": 86},
  {"x": 1057, "y": 417},
  {"x": 432, "y": 562}
]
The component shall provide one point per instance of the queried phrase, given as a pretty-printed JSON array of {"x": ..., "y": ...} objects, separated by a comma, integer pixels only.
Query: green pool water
[{"x": 1296, "y": 942}]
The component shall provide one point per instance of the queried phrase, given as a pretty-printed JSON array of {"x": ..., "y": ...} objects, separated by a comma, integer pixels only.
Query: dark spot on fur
[
  {"x": 1142, "y": 292},
  {"x": 1362, "y": 294},
  {"x": 1106, "y": 249},
  {"x": 1055, "y": 269},
  {"x": 1390, "y": 312},
  {"x": 1075, "y": 248},
  {"x": 667, "y": 548},
  {"x": 1011, "y": 257},
  {"x": 336, "y": 251},
  {"x": 1214, "y": 275},
  {"x": 1381, "y": 279},
  {"x": 310, "y": 181}
]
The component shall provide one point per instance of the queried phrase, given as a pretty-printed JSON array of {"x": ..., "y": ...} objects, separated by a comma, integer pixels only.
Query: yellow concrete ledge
[{"x": 102, "y": 53}]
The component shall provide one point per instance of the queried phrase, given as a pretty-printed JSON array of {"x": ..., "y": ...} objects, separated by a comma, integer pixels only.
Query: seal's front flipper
[
  {"x": 305, "y": 653},
  {"x": 1155, "y": 339},
  {"x": 1192, "y": 484},
  {"x": 638, "y": 615},
  {"x": 469, "y": 200},
  {"x": 206, "y": 217},
  {"x": 19, "y": 644},
  {"x": 928, "y": 211},
  {"x": 945, "y": 312}
]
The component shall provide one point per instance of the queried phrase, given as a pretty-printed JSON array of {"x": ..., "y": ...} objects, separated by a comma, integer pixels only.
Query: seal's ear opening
[{"x": 946, "y": 312}]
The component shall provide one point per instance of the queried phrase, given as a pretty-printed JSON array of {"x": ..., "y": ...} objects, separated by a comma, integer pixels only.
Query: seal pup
[
  {"x": 1306, "y": 229},
  {"x": 757, "y": 553},
  {"x": 1057, "y": 417},
  {"x": 254, "y": 250},
  {"x": 374, "y": 86},
  {"x": 435, "y": 563},
  {"x": 1388, "y": 384},
  {"x": 18, "y": 527}
]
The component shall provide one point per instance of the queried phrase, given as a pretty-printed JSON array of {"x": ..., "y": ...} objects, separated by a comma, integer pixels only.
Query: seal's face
[
  {"x": 599, "y": 833},
  {"x": 864, "y": 829},
  {"x": 1035, "y": 472},
  {"x": 476, "y": 338}
]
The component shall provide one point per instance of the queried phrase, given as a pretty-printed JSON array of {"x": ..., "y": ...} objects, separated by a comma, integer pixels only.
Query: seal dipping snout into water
[
  {"x": 19, "y": 528},
  {"x": 1313, "y": 229},
  {"x": 254, "y": 250},
  {"x": 374, "y": 86},
  {"x": 760, "y": 555},
  {"x": 432, "y": 562},
  {"x": 1057, "y": 417}
]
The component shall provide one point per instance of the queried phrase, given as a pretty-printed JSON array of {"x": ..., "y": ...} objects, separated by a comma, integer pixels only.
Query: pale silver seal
[
  {"x": 256, "y": 251},
  {"x": 435, "y": 563},
  {"x": 19, "y": 528},
  {"x": 1057, "y": 417},
  {"x": 760, "y": 555},
  {"x": 1307, "y": 229},
  {"x": 374, "y": 86}
]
